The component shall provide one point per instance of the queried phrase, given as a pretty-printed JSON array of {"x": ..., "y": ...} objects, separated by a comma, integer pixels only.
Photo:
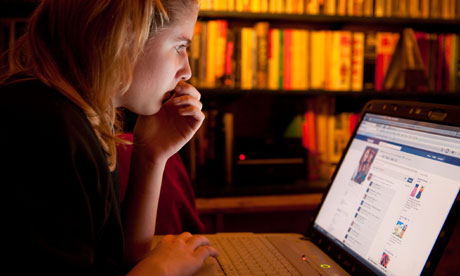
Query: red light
[{"x": 242, "y": 157}]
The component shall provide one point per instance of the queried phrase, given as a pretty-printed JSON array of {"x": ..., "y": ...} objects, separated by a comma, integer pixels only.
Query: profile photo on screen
[{"x": 364, "y": 165}]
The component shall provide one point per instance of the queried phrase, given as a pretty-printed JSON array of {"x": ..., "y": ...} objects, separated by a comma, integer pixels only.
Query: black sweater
[{"x": 60, "y": 201}]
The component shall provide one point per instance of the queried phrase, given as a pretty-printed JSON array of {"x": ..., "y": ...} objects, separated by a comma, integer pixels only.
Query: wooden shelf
[
  {"x": 256, "y": 91},
  {"x": 297, "y": 202},
  {"x": 338, "y": 22}
]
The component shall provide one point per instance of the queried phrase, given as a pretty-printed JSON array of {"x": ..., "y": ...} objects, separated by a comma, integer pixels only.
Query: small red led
[{"x": 242, "y": 157}]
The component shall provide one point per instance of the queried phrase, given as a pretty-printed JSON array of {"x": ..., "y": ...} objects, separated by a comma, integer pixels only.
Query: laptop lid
[{"x": 394, "y": 197}]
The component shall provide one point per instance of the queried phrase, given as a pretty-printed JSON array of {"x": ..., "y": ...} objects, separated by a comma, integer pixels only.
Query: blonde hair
[{"x": 87, "y": 50}]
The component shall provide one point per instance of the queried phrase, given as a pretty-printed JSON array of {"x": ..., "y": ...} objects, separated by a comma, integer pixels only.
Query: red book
[
  {"x": 354, "y": 119},
  {"x": 287, "y": 83}
]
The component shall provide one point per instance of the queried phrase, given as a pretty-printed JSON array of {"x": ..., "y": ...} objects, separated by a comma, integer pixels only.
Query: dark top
[{"x": 60, "y": 201}]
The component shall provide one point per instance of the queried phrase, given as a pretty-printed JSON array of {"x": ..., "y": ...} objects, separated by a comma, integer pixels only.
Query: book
[
  {"x": 247, "y": 58},
  {"x": 357, "y": 61},
  {"x": 385, "y": 45},
  {"x": 312, "y": 7},
  {"x": 221, "y": 47},
  {"x": 261, "y": 29},
  {"x": 338, "y": 61},
  {"x": 329, "y": 7},
  {"x": 300, "y": 42},
  {"x": 211, "y": 59},
  {"x": 273, "y": 59},
  {"x": 287, "y": 60},
  {"x": 368, "y": 9},
  {"x": 370, "y": 54},
  {"x": 194, "y": 55},
  {"x": 342, "y": 7},
  {"x": 281, "y": 60},
  {"x": 317, "y": 65},
  {"x": 230, "y": 62},
  {"x": 203, "y": 55},
  {"x": 355, "y": 8},
  {"x": 379, "y": 8}
]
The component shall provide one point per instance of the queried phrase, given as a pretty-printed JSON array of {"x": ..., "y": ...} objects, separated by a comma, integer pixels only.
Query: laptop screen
[{"x": 393, "y": 192}]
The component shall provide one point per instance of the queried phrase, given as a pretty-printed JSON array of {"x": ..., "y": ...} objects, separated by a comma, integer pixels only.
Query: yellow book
[
  {"x": 272, "y": 6},
  {"x": 246, "y": 5},
  {"x": 289, "y": 6},
  {"x": 205, "y": 5},
  {"x": 414, "y": 8},
  {"x": 342, "y": 7},
  {"x": 331, "y": 57},
  {"x": 221, "y": 44},
  {"x": 273, "y": 59},
  {"x": 239, "y": 5},
  {"x": 211, "y": 53},
  {"x": 330, "y": 7},
  {"x": 195, "y": 53},
  {"x": 306, "y": 62},
  {"x": 300, "y": 59},
  {"x": 301, "y": 6},
  {"x": 357, "y": 61},
  {"x": 297, "y": 56},
  {"x": 317, "y": 56},
  {"x": 231, "y": 5},
  {"x": 280, "y": 6},
  {"x": 368, "y": 8},
  {"x": 379, "y": 8},
  {"x": 255, "y": 6},
  {"x": 312, "y": 7},
  {"x": 264, "y": 6},
  {"x": 247, "y": 58}
]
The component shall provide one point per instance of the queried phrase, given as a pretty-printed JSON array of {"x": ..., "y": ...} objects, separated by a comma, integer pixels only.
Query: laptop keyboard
[{"x": 241, "y": 255}]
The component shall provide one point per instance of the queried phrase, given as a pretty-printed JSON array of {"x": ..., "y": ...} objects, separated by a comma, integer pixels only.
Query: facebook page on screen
[{"x": 393, "y": 192}]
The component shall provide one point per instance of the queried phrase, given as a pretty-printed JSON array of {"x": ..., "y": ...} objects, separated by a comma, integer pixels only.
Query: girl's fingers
[
  {"x": 206, "y": 251},
  {"x": 184, "y": 236},
  {"x": 184, "y": 88},
  {"x": 192, "y": 111},
  {"x": 187, "y": 100},
  {"x": 197, "y": 241}
]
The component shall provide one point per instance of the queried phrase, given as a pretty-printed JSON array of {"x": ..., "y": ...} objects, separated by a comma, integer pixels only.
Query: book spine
[
  {"x": 273, "y": 59},
  {"x": 262, "y": 54},
  {"x": 281, "y": 60},
  {"x": 287, "y": 59},
  {"x": 357, "y": 62}
]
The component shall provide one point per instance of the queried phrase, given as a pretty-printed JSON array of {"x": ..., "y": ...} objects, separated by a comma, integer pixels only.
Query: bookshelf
[
  {"x": 220, "y": 97},
  {"x": 436, "y": 25},
  {"x": 234, "y": 115}
]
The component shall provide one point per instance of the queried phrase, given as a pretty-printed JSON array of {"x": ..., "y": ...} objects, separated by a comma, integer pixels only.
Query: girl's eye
[{"x": 180, "y": 48}]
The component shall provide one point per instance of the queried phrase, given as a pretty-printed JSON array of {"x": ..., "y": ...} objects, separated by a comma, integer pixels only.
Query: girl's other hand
[{"x": 176, "y": 256}]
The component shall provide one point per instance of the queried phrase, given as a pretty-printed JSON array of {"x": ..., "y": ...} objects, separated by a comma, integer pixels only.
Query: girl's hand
[
  {"x": 162, "y": 134},
  {"x": 176, "y": 256}
]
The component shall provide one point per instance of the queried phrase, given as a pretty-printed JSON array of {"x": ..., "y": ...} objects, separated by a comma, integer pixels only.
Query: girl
[{"x": 78, "y": 62}]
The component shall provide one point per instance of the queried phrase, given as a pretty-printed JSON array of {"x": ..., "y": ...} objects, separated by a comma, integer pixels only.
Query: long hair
[{"x": 87, "y": 50}]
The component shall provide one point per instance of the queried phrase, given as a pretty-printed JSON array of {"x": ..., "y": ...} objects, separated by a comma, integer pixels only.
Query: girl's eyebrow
[{"x": 185, "y": 39}]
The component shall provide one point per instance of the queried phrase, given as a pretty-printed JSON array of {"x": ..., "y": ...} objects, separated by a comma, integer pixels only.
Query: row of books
[
  {"x": 325, "y": 135},
  {"x": 261, "y": 57},
  {"x": 445, "y": 9}
]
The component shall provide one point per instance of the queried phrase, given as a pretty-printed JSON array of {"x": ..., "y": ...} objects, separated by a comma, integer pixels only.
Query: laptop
[{"x": 390, "y": 208}]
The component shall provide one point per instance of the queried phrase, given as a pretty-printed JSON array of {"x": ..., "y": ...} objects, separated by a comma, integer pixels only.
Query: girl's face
[{"x": 160, "y": 68}]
